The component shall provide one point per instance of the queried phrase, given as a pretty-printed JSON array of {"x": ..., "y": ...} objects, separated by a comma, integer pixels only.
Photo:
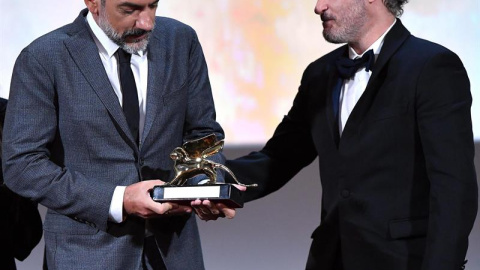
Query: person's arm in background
[{"x": 21, "y": 222}]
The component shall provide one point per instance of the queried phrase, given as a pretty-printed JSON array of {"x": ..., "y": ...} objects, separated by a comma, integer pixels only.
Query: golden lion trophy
[{"x": 190, "y": 160}]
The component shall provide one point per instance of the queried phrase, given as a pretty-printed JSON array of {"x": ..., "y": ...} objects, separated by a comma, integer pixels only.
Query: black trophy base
[{"x": 217, "y": 193}]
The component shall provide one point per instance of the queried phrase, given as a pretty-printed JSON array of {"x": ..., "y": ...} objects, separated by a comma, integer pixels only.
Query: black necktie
[
  {"x": 348, "y": 67},
  {"x": 129, "y": 92}
]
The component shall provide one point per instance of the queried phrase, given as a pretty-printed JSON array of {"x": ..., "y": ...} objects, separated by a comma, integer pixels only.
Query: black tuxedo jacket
[{"x": 399, "y": 186}]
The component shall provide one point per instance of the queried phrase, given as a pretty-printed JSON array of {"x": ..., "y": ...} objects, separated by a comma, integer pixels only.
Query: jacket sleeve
[
  {"x": 200, "y": 119},
  {"x": 290, "y": 149},
  {"x": 444, "y": 124}
]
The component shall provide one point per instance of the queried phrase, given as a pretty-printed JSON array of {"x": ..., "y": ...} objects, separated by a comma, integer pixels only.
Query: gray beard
[
  {"x": 349, "y": 30},
  {"x": 120, "y": 39}
]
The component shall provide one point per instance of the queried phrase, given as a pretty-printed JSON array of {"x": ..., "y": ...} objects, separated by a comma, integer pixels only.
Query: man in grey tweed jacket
[{"x": 67, "y": 144}]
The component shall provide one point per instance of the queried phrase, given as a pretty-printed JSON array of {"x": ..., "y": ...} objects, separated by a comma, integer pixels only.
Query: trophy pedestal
[{"x": 216, "y": 193}]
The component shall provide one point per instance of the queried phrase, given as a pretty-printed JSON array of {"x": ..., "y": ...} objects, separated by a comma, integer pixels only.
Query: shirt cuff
[
  {"x": 204, "y": 181},
  {"x": 115, "y": 214}
]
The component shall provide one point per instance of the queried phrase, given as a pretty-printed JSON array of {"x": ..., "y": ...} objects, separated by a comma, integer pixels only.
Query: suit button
[
  {"x": 345, "y": 193},
  {"x": 141, "y": 162}
]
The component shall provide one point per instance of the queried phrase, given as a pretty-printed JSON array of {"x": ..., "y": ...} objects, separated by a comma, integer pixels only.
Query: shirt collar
[
  {"x": 376, "y": 46},
  {"x": 104, "y": 43}
]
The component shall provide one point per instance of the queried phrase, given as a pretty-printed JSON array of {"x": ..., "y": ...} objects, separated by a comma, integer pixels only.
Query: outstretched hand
[{"x": 207, "y": 210}]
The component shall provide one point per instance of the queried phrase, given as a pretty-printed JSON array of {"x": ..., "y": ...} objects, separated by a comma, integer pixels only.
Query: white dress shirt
[
  {"x": 139, "y": 64},
  {"x": 354, "y": 87}
]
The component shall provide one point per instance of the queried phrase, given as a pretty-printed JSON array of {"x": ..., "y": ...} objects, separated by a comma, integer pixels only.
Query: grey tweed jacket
[{"x": 67, "y": 144}]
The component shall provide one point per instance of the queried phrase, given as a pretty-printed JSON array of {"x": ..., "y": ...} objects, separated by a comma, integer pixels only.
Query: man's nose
[
  {"x": 145, "y": 20},
  {"x": 320, "y": 7}
]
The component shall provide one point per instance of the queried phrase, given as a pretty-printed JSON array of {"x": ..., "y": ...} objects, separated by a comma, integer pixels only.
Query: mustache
[
  {"x": 135, "y": 32},
  {"x": 326, "y": 17}
]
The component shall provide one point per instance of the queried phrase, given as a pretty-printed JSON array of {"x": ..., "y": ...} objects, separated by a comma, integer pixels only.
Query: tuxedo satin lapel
[
  {"x": 156, "y": 83},
  {"x": 333, "y": 106},
  {"x": 393, "y": 40},
  {"x": 334, "y": 87},
  {"x": 80, "y": 45}
]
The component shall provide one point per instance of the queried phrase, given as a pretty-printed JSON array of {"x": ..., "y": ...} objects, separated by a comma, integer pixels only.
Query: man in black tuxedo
[
  {"x": 393, "y": 134},
  {"x": 21, "y": 225}
]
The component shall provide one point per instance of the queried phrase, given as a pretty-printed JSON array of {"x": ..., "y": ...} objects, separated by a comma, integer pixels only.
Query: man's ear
[{"x": 93, "y": 6}]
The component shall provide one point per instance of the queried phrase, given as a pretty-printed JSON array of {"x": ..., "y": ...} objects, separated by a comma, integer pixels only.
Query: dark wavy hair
[{"x": 395, "y": 6}]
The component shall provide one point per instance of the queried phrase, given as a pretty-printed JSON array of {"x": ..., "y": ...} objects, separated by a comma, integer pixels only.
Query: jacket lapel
[
  {"x": 81, "y": 44},
  {"x": 156, "y": 83},
  {"x": 334, "y": 86},
  {"x": 393, "y": 40},
  {"x": 333, "y": 106}
]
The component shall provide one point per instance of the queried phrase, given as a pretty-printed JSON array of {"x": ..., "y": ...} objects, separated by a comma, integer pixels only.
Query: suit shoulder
[
  {"x": 324, "y": 63},
  {"x": 422, "y": 48},
  {"x": 330, "y": 57},
  {"x": 169, "y": 26},
  {"x": 424, "y": 55},
  {"x": 53, "y": 40}
]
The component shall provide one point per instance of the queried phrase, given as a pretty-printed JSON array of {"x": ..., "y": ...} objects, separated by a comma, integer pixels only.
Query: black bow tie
[{"x": 348, "y": 67}]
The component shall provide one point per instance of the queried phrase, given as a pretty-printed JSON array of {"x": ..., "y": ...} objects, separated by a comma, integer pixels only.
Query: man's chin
[
  {"x": 133, "y": 47},
  {"x": 329, "y": 37}
]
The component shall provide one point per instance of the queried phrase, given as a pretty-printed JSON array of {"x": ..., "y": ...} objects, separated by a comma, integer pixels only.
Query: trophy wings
[{"x": 191, "y": 160}]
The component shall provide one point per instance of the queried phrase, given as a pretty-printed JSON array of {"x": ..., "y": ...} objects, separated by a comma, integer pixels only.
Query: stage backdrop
[{"x": 256, "y": 51}]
